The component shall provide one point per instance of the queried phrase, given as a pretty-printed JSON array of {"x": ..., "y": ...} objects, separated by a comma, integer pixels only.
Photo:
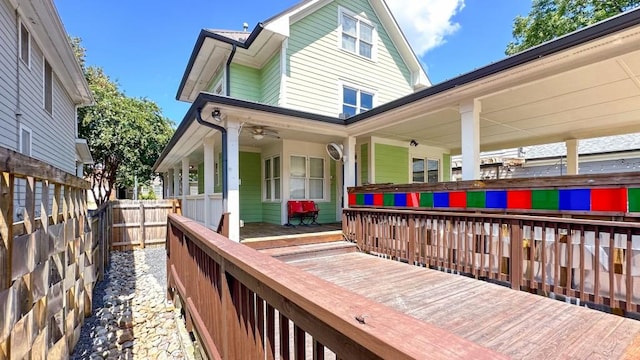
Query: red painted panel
[
  {"x": 519, "y": 199},
  {"x": 609, "y": 200},
  {"x": 378, "y": 200},
  {"x": 413, "y": 199},
  {"x": 352, "y": 199},
  {"x": 458, "y": 199}
]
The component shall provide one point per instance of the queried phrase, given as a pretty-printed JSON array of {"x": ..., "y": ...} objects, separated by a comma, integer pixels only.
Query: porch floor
[
  {"x": 260, "y": 230},
  {"x": 515, "y": 323}
]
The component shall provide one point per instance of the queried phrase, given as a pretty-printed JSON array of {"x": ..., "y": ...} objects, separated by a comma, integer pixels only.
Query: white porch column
[
  {"x": 470, "y": 120},
  {"x": 209, "y": 174},
  {"x": 349, "y": 149},
  {"x": 572, "y": 156},
  {"x": 185, "y": 180},
  {"x": 233, "y": 175},
  {"x": 176, "y": 183},
  {"x": 168, "y": 184}
]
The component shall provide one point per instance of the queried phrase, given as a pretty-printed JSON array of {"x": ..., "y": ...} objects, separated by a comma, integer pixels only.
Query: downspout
[
  {"x": 225, "y": 177},
  {"x": 228, "y": 69}
]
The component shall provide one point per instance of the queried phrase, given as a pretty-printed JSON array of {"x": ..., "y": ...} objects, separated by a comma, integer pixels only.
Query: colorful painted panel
[{"x": 618, "y": 200}]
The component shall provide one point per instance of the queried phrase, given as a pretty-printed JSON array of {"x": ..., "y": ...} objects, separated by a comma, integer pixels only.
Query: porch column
[
  {"x": 572, "y": 156},
  {"x": 209, "y": 174},
  {"x": 169, "y": 184},
  {"x": 233, "y": 174},
  {"x": 470, "y": 120},
  {"x": 349, "y": 149},
  {"x": 176, "y": 182},
  {"x": 185, "y": 180}
]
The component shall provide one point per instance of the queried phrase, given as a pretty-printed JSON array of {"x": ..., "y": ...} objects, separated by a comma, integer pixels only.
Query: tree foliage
[
  {"x": 549, "y": 19},
  {"x": 126, "y": 135}
]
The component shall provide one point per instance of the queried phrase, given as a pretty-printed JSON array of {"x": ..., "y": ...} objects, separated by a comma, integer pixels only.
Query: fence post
[
  {"x": 515, "y": 263},
  {"x": 142, "y": 234}
]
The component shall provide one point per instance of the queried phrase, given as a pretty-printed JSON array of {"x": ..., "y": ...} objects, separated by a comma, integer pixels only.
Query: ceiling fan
[{"x": 259, "y": 132}]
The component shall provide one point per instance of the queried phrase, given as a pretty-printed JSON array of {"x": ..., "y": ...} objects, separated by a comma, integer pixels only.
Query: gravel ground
[{"x": 155, "y": 259}]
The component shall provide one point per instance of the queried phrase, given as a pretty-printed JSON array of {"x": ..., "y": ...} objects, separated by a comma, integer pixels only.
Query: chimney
[{"x": 245, "y": 27}]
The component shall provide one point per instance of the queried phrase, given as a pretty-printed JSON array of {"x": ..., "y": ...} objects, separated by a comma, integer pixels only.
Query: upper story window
[
  {"x": 48, "y": 87},
  {"x": 357, "y": 34},
  {"x": 355, "y": 101},
  {"x": 425, "y": 174},
  {"x": 25, "y": 45}
]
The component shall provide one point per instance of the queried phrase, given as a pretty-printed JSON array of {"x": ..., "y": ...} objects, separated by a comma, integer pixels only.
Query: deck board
[{"x": 518, "y": 324}]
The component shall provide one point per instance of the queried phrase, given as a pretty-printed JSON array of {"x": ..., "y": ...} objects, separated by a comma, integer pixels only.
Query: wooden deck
[{"x": 518, "y": 324}]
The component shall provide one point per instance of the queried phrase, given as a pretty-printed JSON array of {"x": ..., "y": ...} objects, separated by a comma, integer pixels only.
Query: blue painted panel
[
  {"x": 400, "y": 199},
  {"x": 441, "y": 199},
  {"x": 575, "y": 199},
  {"x": 368, "y": 199},
  {"x": 496, "y": 199}
]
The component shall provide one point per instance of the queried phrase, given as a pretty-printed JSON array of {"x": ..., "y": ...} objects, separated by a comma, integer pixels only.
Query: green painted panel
[
  {"x": 271, "y": 213},
  {"x": 545, "y": 199},
  {"x": 270, "y": 81},
  {"x": 391, "y": 164},
  {"x": 476, "y": 199},
  {"x": 245, "y": 83},
  {"x": 359, "y": 199},
  {"x": 446, "y": 167},
  {"x": 634, "y": 199},
  {"x": 250, "y": 187},
  {"x": 364, "y": 164},
  {"x": 327, "y": 212},
  {"x": 388, "y": 199},
  {"x": 201, "y": 178},
  {"x": 426, "y": 199}
]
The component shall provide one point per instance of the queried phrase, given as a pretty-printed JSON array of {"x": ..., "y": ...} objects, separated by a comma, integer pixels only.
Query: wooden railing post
[
  {"x": 359, "y": 231},
  {"x": 411, "y": 248},
  {"x": 515, "y": 263}
]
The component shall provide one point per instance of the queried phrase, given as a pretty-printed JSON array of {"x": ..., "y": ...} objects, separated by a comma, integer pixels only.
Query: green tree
[
  {"x": 549, "y": 19},
  {"x": 126, "y": 135}
]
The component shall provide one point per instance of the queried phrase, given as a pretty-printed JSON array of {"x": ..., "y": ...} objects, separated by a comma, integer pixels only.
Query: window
[
  {"x": 306, "y": 178},
  {"x": 357, "y": 34},
  {"x": 25, "y": 44},
  {"x": 48, "y": 87},
  {"x": 272, "y": 178},
  {"x": 420, "y": 172},
  {"x": 355, "y": 101},
  {"x": 25, "y": 140}
]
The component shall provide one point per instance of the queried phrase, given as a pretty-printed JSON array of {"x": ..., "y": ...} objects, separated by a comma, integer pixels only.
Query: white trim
[
  {"x": 272, "y": 178},
  {"x": 24, "y": 128},
  {"x": 283, "y": 72},
  {"x": 359, "y": 19},
  {"x": 20, "y": 25}
]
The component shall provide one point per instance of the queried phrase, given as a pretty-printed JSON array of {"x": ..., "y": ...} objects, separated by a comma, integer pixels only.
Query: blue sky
[{"x": 145, "y": 45}]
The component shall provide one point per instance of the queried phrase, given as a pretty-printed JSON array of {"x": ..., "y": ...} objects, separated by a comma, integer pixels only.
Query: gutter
[
  {"x": 206, "y": 34},
  {"x": 225, "y": 173}
]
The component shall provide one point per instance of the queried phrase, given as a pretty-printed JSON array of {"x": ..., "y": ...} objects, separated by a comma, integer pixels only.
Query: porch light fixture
[
  {"x": 413, "y": 143},
  {"x": 258, "y": 136},
  {"x": 217, "y": 115}
]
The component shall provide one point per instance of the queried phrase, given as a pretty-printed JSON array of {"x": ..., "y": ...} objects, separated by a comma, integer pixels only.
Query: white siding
[{"x": 316, "y": 65}]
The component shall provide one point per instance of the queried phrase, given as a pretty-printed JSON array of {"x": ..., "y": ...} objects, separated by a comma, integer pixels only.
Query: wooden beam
[{"x": 22, "y": 166}]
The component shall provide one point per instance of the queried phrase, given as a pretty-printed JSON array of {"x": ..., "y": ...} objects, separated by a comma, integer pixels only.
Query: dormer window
[{"x": 357, "y": 34}]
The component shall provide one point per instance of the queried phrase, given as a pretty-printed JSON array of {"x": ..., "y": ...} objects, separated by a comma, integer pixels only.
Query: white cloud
[{"x": 426, "y": 23}]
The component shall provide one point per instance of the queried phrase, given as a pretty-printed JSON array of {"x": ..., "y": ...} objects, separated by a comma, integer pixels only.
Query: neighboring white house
[{"x": 41, "y": 86}]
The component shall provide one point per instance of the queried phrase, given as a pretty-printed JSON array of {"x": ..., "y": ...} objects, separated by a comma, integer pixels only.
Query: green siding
[
  {"x": 271, "y": 213},
  {"x": 250, "y": 187},
  {"x": 201, "y": 178},
  {"x": 392, "y": 164},
  {"x": 446, "y": 167},
  {"x": 327, "y": 212},
  {"x": 364, "y": 164},
  {"x": 270, "y": 81},
  {"x": 215, "y": 80},
  {"x": 316, "y": 64},
  {"x": 245, "y": 83}
]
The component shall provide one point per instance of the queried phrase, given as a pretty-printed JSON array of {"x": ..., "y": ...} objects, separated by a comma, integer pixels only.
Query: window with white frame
[
  {"x": 25, "y": 140},
  {"x": 48, "y": 87},
  {"x": 425, "y": 170},
  {"x": 357, "y": 34},
  {"x": 355, "y": 101},
  {"x": 25, "y": 44},
  {"x": 272, "y": 178},
  {"x": 306, "y": 178}
]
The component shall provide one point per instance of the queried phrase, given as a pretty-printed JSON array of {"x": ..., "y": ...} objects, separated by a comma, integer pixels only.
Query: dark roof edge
[
  {"x": 204, "y": 98},
  {"x": 601, "y": 29},
  {"x": 204, "y": 34}
]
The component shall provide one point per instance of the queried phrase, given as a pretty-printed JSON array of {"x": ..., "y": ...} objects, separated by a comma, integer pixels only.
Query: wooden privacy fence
[
  {"x": 139, "y": 223},
  {"x": 49, "y": 261},
  {"x": 591, "y": 260},
  {"x": 246, "y": 305}
]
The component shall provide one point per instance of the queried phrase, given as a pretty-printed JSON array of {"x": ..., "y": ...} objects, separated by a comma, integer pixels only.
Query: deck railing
[
  {"x": 591, "y": 260},
  {"x": 194, "y": 208},
  {"x": 246, "y": 305}
]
